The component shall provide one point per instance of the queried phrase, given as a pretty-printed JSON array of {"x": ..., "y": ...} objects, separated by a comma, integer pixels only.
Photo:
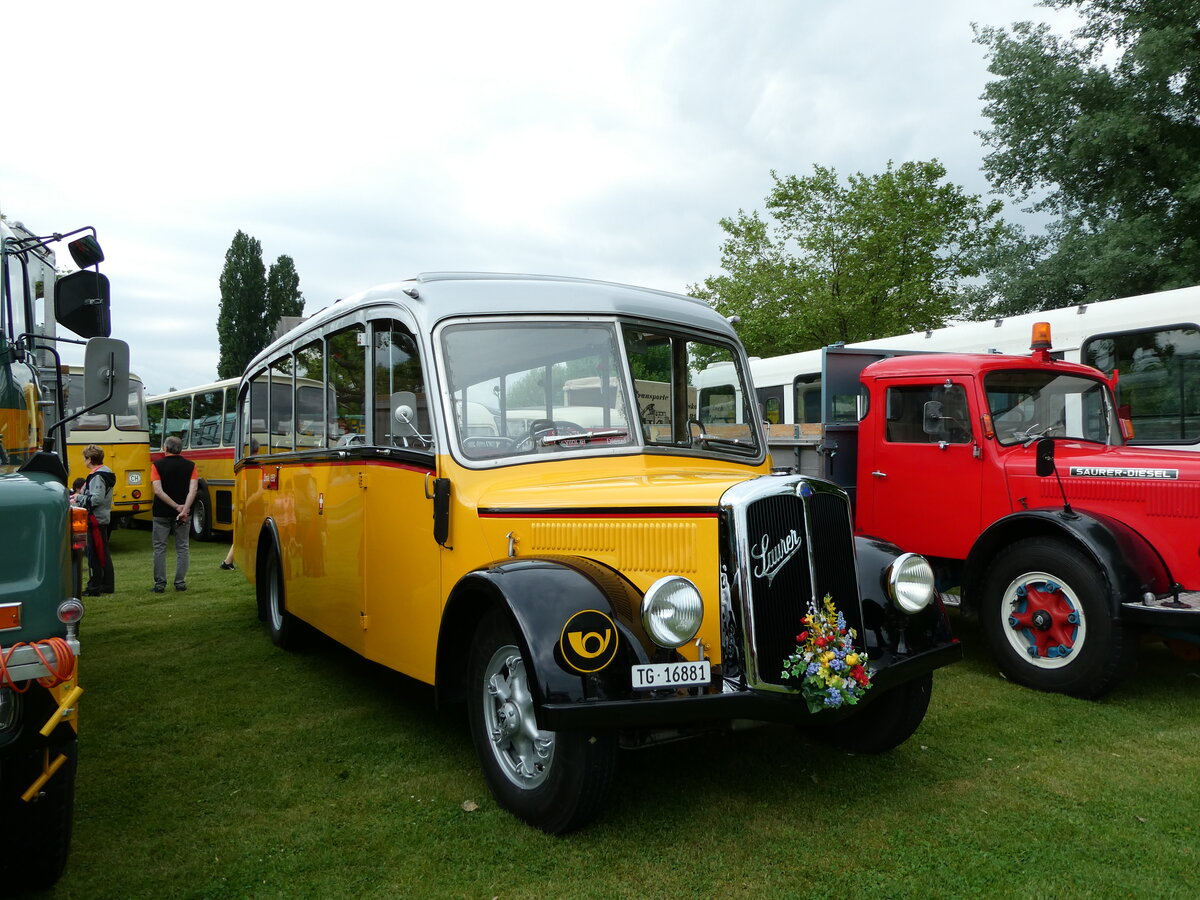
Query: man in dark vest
[{"x": 174, "y": 480}]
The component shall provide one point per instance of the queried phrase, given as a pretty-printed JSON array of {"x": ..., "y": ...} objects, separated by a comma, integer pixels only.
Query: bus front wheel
[{"x": 555, "y": 781}]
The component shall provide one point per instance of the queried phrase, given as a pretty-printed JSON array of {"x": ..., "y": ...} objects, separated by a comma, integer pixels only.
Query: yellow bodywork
[{"x": 360, "y": 562}]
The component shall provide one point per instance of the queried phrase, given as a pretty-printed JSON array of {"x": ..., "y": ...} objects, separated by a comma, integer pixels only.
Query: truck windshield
[
  {"x": 1028, "y": 404},
  {"x": 521, "y": 388}
]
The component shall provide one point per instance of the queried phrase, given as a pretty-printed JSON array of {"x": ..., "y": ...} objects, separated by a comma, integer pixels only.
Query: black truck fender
[
  {"x": 886, "y": 627},
  {"x": 577, "y": 624},
  {"x": 1129, "y": 563}
]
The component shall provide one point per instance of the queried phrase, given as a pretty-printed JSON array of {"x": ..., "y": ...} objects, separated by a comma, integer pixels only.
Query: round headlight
[
  {"x": 10, "y": 710},
  {"x": 910, "y": 582},
  {"x": 672, "y": 611}
]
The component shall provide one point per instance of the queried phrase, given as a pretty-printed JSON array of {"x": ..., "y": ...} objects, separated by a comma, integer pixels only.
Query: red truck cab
[{"x": 1011, "y": 474}]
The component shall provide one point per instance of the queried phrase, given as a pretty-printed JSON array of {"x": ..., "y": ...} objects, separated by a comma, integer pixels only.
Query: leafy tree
[
  {"x": 241, "y": 323},
  {"x": 252, "y": 302},
  {"x": 283, "y": 292},
  {"x": 1101, "y": 132},
  {"x": 879, "y": 255}
]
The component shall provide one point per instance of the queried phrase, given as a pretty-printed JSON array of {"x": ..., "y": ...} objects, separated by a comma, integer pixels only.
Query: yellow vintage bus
[
  {"x": 586, "y": 565},
  {"x": 202, "y": 417},
  {"x": 123, "y": 438}
]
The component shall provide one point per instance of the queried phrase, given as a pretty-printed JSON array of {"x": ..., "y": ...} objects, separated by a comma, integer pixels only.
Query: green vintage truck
[{"x": 42, "y": 538}]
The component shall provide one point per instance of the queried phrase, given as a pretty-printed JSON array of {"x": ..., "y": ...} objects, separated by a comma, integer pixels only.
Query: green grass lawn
[{"x": 213, "y": 764}]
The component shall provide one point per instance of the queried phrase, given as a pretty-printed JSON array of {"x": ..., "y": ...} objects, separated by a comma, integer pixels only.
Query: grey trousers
[{"x": 181, "y": 532}]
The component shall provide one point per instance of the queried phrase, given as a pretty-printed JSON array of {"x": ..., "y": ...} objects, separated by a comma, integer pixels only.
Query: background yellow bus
[
  {"x": 122, "y": 437},
  {"x": 203, "y": 418}
]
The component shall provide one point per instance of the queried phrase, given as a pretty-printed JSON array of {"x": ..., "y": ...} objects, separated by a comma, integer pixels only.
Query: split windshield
[
  {"x": 521, "y": 388},
  {"x": 1026, "y": 405}
]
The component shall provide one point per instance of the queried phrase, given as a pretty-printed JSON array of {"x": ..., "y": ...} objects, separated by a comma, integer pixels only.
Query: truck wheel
[
  {"x": 1046, "y": 619},
  {"x": 555, "y": 781},
  {"x": 285, "y": 629},
  {"x": 35, "y": 836},
  {"x": 882, "y": 724},
  {"x": 201, "y": 519}
]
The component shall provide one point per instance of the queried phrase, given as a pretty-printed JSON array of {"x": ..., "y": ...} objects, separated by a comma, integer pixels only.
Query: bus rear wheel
[
  {"x": 285, "y": 629},
  {"x": 201, "y": 519}
]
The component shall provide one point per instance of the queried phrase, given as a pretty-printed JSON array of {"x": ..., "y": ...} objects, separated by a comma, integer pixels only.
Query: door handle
[{"x": 878, "y": 474}]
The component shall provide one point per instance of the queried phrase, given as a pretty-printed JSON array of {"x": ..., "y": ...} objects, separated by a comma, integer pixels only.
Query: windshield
[
  {"x": 134, "y": 420},
  {"x": 1029, "y": 404},
  {"x": 521, "y": 388}
]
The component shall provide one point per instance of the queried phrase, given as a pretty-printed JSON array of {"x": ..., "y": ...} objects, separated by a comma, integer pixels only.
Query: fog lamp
[
  {"x": 910, "y": 582},
  {"x": 672, "y": 611}
]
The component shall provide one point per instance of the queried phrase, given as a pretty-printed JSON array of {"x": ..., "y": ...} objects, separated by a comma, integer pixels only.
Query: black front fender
[
  {"x": 886, "y": 627},
  {"x": 563, "y": 610}
]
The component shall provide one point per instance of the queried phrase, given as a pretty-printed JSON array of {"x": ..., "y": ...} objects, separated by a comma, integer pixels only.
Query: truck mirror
[
  {"x": 932, "y": 420},
  {"x": 1044, "y": 453},
  {"x": 86, "y": 251},
  {"x": 106, "y": 376},
  {"x": 81, "y": 303}
]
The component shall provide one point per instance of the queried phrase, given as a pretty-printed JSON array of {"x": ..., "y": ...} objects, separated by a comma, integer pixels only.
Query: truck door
[{"x": 921, "y": 476}]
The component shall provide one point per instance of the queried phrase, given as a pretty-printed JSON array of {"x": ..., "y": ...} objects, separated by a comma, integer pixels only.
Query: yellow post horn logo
[{"x": 588, "y": 641}]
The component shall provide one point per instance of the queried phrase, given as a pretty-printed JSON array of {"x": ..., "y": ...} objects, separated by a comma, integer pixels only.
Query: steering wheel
[{"x": 539, "y": 428}]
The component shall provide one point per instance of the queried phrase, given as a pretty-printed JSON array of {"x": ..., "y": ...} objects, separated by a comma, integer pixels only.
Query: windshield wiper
[{"x": 733, "y": 443}]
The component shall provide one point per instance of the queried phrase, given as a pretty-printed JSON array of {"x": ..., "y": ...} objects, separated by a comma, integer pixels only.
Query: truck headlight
[
  {"x": 672, "y": 611},
  {"x": 10, "y": 710},
  {"x": 910, "y": 582}
]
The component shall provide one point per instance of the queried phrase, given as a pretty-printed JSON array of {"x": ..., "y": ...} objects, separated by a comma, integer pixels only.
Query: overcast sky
[{"x": 371, "y": 141}]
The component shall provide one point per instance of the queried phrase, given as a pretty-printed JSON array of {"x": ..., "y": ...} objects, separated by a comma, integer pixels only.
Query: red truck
[{"x": 1012, "y": 475}]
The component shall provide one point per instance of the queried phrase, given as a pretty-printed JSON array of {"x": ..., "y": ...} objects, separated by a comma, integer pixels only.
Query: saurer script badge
[
  {"x": 589, "y": 641},
  {"x": 768, "y": 559}
]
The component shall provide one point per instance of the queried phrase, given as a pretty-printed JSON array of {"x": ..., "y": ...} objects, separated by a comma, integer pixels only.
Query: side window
[
  {"x": 254, "y": 426},
  {"x": 229, "y": 418},
  {"x": 310, "y": 396},
  {"x": 1159, "y": 381},
  {"x": 179, "y": 419},
  {"x": 154, "y": 420},
  {"x": 770, "y": 401},
  {"x": 345, "y": 358},
  {"x": 927, "y": 414},
  {"x": 280, "y": 418},
  {"x": 206, "y": 419},
  {"x": 807, "y": 396},
  {"x": 401, "y": 416}
]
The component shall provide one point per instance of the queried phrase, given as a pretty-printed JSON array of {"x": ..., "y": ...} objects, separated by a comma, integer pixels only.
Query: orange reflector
[
  {"x": 989, "y": 430},
  {"x": 79, "y": 523}
]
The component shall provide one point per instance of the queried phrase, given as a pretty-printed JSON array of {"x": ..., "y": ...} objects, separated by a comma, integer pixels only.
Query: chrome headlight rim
[
  {"x": 672, "y": 611},
  {"x": 910, "y": 582}
]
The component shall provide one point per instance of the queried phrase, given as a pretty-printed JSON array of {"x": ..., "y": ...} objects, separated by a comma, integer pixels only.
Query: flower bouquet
[{"x": 831, "y": 672}]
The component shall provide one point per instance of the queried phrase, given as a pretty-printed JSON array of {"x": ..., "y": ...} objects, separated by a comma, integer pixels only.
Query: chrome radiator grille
[{"x": 797, "y": 545}]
